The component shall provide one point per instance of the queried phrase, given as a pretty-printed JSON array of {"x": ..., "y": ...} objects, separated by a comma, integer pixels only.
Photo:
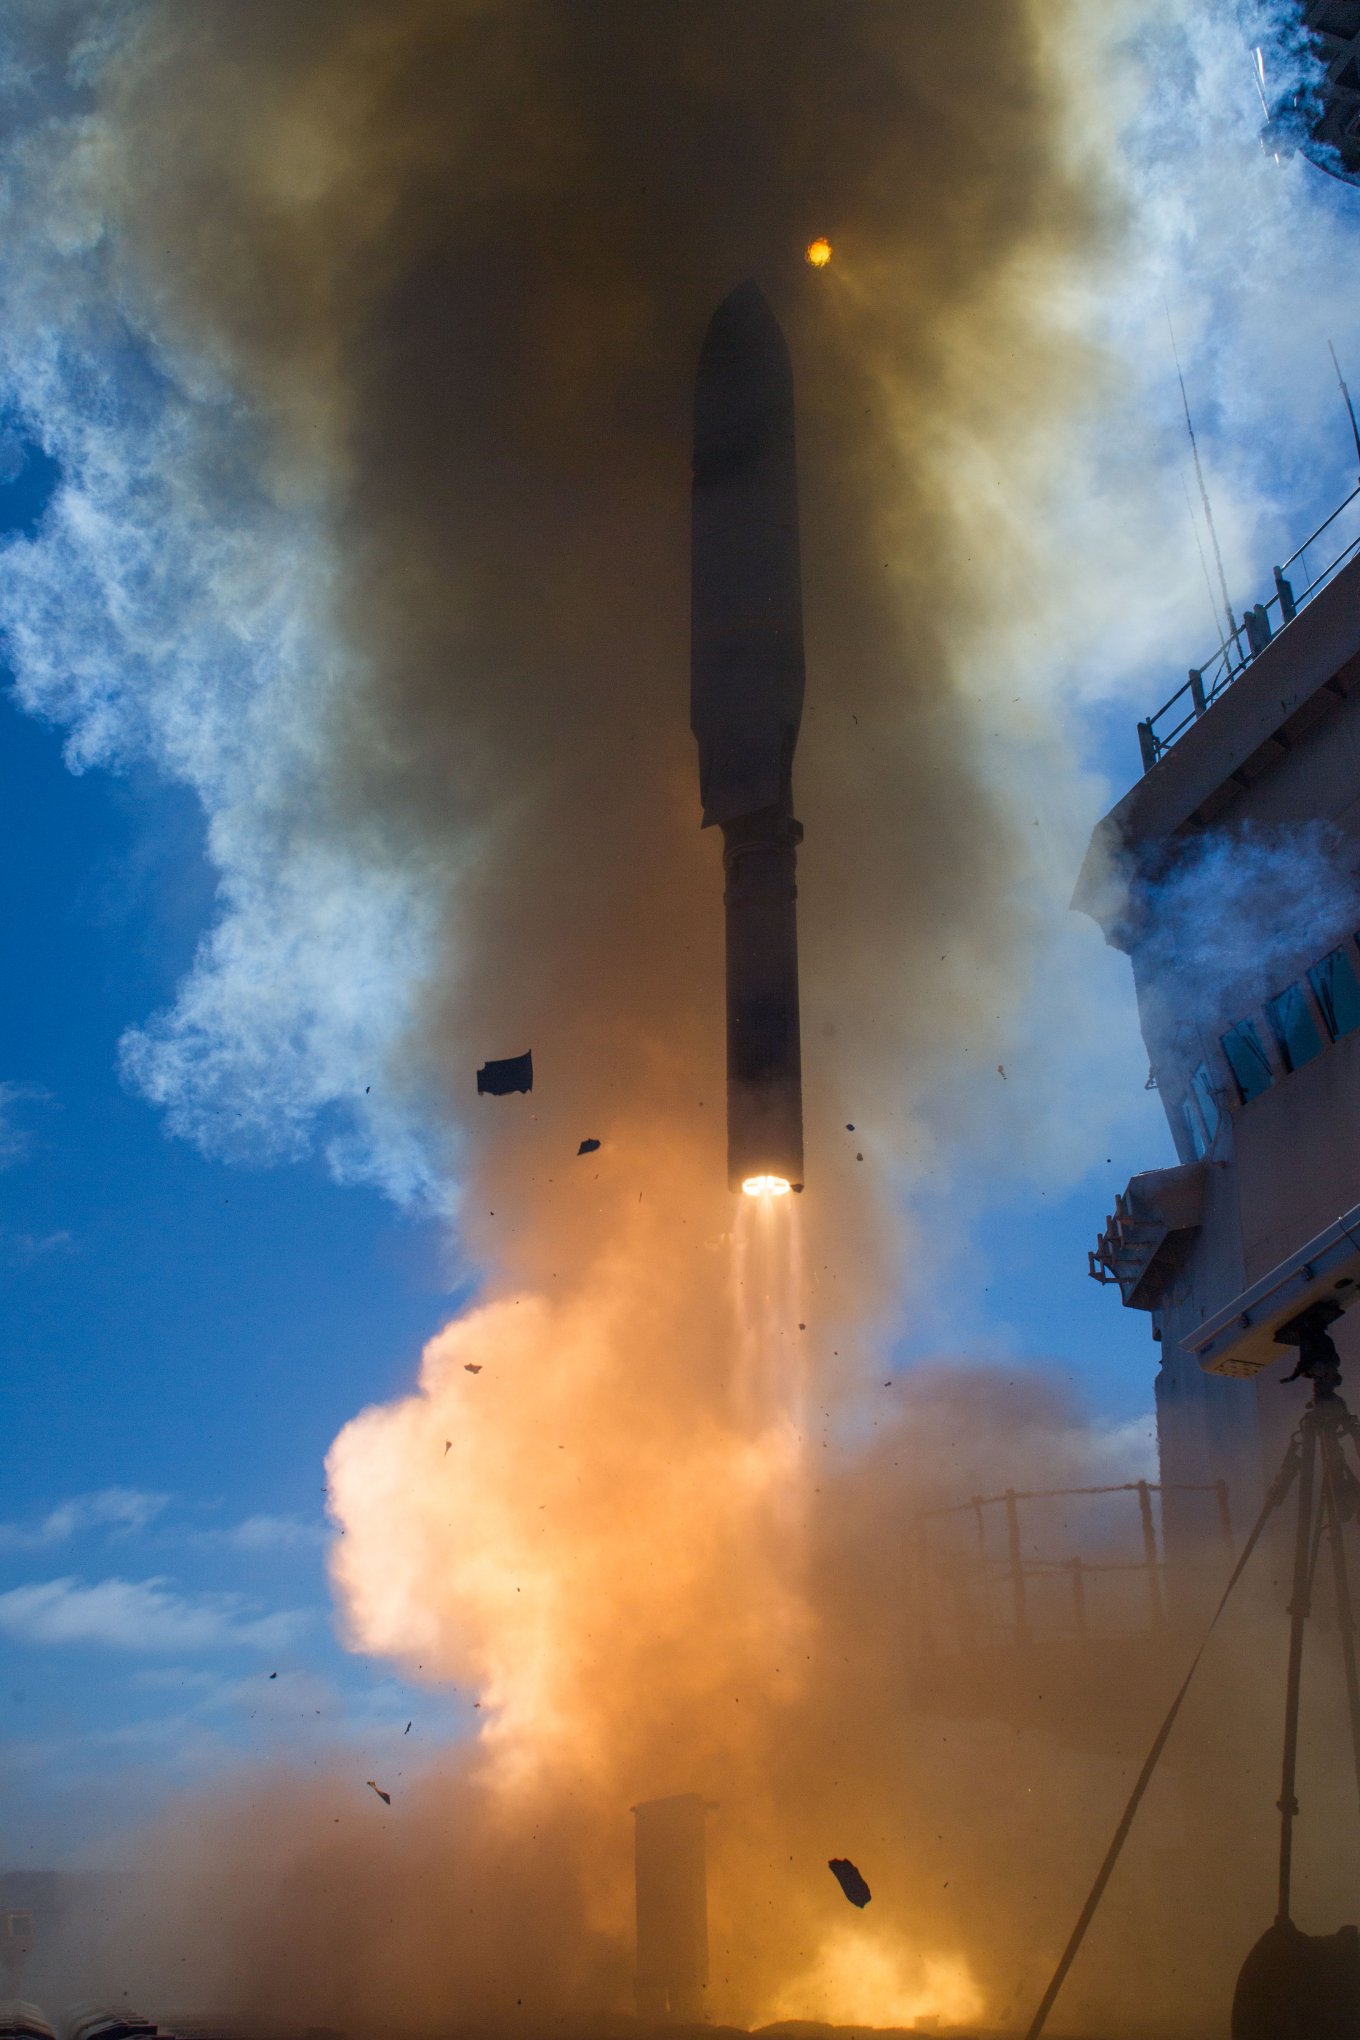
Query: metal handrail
[
  {"x": 1018, "y": 1568},
  {"x": 1052, "y": 1494},
  {"x": 1229, "y": 660}
]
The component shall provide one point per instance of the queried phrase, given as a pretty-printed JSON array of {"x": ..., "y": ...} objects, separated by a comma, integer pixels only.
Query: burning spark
[
  {"x": 818, "y": 253},
  {"x": 766, "y": 1186}
]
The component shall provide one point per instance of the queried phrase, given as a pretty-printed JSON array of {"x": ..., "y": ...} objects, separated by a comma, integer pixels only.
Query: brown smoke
[
  {"x": 461, "y": 257},
  {"x": 458, "y": 259}
]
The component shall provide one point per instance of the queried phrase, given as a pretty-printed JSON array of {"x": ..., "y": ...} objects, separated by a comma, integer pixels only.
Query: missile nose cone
[{"x": 743, "y": 395}]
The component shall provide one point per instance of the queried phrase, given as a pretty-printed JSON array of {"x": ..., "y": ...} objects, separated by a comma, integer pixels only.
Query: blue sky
[{"x": 184, "y": 1336}]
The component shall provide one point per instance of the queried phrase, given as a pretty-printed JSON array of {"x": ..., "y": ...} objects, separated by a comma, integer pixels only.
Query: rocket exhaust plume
[{"x": 746, "y": 702}]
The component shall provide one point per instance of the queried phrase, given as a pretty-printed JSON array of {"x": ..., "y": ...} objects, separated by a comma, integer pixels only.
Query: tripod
[{"x": 1328, "y": 1499}]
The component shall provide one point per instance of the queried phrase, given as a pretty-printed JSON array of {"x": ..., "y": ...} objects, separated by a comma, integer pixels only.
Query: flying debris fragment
[
  {"x": 511, "y": 1073},
  {"x": 385, "y": 1797},
  {"x": 470, "y": 1367},
  {"x": 407, "y": 1729},
  {"x": 587, "y": 1147},
  {"x": 849, "y": 1880}
]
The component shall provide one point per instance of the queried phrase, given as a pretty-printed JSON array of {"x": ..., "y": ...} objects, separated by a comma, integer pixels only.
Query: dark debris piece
[
  {"x": 587, "y": 1147},
  {"x": 511, "y": 1073},
  {"x": 849, "y": 1880},
  {"x": 470, "y": 1367},
  {"x": 385, "y": 1797}
]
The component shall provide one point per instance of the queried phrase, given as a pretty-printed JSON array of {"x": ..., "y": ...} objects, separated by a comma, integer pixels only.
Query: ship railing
[
  {"x": 996, "y": 1588},
  {"x": 1297, "y": 580}
]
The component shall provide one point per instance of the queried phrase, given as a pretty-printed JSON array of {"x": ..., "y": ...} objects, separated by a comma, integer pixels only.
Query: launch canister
[{"x": 746, "y": 702}]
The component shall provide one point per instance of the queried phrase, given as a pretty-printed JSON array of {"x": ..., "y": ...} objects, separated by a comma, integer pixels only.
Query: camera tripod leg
[
  {"x": 1275, "y": 1496},
  {"x": 1333, "y": 1486},
  {"x": 1304, "y": 1549}
]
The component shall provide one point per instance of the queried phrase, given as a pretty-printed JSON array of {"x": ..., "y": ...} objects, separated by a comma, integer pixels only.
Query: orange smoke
[
  {"x": 590, "y": 1512},
  {"x": 596, "y": 1514}
]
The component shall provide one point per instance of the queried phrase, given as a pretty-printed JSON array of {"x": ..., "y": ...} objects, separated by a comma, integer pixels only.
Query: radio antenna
[
  {"x": 1199, "y": 477},
  {"x": 1350, "y": 408},
  {"x": 1199, "y": 548}
]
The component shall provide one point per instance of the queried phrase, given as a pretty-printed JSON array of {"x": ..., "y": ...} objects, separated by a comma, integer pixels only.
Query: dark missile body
[{"x": 746, "y": 702}]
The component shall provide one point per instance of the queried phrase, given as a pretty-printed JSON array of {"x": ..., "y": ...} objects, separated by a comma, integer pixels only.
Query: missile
[{"x": 746, "y": 703}]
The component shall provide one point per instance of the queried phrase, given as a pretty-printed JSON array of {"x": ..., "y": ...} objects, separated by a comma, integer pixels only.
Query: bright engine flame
[
  {"x": 766, "y": 1186},
  {"x": 818, "y": 253}
]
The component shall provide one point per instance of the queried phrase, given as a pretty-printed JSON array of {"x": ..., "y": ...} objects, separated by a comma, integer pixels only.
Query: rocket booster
[{"x": 746, "y": 702}]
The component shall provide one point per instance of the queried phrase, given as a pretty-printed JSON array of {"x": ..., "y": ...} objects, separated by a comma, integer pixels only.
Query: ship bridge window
[
  {"x": 1294, "y": 1028},
  {"x": 1202, "y": 1091},
  {"x": 1337, "y": 993},
  {"x": 1247, "y": 1060},
  {"x": 1199, "y": 1146}
]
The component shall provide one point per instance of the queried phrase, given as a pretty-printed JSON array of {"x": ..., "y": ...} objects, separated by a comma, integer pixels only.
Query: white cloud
[
  {"x": 199, "y": 1686},
  {"x": 140, "y": 1615},
  {"x": 24, "y": 1247},
  {"x": 15, "y": 1140},
  {"x": 111, "y": 1508},
  {"x": 1121, "y": 1452},
  {"x": 267, "y": 1533}
]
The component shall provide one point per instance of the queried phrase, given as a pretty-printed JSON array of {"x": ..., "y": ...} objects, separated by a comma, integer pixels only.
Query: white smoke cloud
[
  {"x": 172, "y": 608},
  {"x": 1251, "y": 264},
  {"x": 1244, "y": 905}
]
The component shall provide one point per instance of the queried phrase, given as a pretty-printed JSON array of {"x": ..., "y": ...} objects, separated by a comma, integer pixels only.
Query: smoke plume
[{"x": 404, "y": 304}]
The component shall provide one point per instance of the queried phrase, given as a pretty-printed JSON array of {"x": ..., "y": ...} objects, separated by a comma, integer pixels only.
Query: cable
[
  {"x": 1350, "y": 408},
  {"x": 1199, "y": 477}
]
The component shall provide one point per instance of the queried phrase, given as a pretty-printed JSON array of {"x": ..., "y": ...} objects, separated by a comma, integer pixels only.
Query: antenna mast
[
  {"x": 1199, "y": 477},
  {"x": 1350, "y": 408}
]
